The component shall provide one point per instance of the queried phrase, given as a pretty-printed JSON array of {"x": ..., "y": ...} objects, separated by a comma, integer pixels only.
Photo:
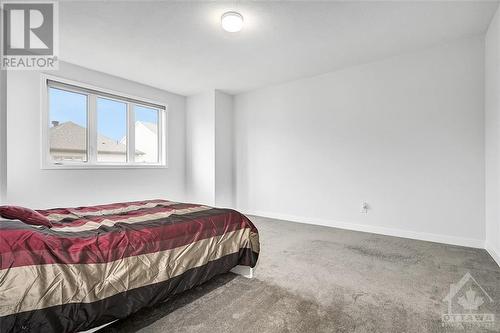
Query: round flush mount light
[{"x": 232, "y": 21}]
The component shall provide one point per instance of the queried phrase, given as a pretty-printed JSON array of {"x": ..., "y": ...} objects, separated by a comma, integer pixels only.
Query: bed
[{"x": 72, "y": 269}]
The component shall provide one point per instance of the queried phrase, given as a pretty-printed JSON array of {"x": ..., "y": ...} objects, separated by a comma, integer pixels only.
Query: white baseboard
[
  {"x": 469, "y": 242},
  {"x": 494, "y": 253}
]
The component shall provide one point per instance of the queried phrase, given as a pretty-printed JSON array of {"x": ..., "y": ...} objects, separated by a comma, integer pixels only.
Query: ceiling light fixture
[{"x": 232, "y": 21}]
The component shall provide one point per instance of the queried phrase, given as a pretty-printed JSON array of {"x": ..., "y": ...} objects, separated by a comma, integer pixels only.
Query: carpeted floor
[{"x": 318, "y": 279}]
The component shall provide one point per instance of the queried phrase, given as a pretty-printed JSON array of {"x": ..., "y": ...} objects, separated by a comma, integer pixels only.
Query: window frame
[{"x": 92, "y": 93}]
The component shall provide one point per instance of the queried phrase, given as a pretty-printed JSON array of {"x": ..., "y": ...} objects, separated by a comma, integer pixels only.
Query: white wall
[
  {"x": 28, "y": 185},
  {"x": 209, "y": 158},
  {"x": 200, "y": 148},
  {"x": 224, "y": 193},
  {"x": 3, "y": 134},
  {"x": 405, "y": 135},
  {"x": 492, "y": 127},
  {"x": 3, "y": 130}
]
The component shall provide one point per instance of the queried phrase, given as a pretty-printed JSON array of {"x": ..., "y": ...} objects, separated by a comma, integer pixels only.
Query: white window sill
[{"x": 67, "y": 166}]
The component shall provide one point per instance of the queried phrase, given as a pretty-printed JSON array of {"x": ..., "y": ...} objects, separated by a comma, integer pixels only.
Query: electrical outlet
[{"x": 364, "y": 207}]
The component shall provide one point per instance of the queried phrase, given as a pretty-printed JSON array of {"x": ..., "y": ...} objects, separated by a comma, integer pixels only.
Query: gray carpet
[{"x": 318, "y": 279}]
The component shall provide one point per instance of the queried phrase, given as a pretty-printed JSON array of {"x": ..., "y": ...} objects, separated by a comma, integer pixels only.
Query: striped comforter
[{"x": 96, "y": 264}]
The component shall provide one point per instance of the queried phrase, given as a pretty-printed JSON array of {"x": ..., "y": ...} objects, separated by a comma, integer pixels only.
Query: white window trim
[{"x": 48, "y": 164}]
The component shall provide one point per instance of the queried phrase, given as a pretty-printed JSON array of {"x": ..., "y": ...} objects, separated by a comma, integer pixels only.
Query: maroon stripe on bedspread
[{"x": 26, "y": 247}]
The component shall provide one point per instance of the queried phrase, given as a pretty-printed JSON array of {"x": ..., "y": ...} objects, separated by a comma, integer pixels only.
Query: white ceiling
[{"x": 180, "y": 47}]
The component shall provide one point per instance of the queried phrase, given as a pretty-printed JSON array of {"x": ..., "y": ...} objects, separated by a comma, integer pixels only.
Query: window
[
  {"x": 146, "y": 134},
  {"x": 111, "y": 131},
  {"x": 88, "y": 127},
  {"x": 68, "y": 126}
]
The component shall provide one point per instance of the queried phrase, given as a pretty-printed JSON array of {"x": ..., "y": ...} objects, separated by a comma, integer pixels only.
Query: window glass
[
  {"x": 67, "y": 125},
  {"x": 111, "y": 130},
  {"x": 146, "y": 134},
  {"x": 124, "y": 131}
]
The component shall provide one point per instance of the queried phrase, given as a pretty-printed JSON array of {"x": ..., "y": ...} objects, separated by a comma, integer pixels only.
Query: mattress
[{"x": 102, "y": 263}]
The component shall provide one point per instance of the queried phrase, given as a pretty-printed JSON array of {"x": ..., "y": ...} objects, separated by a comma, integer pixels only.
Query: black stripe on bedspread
[{"x": 83, "y": 316}]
